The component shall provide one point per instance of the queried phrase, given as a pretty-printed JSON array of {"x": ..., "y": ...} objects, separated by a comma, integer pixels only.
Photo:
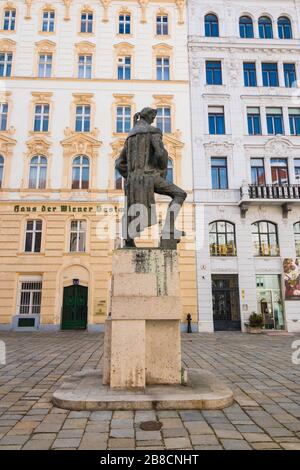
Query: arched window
[
  {"x": 246, "y": 27},
  {"x": 265, "y": 27},
  {"x": 1, "y": 170},
  {"x": 222, "y": 238},
  {"x": 265, "y": 239},
  {"x": 170, "y": 171},
  {"x": 297, "y": 238},
  {"x": 119, "y": 180},
  {"x": 284, "y": 28},
  {"x": 9, "y": 22},
  {"x": 80, "y": 172},
  {"x": 211, "y": 26},
  {"x": 38, "y": 172}
]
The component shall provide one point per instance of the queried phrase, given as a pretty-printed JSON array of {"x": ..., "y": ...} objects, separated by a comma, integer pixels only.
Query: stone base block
[{"x": 85, "y": 391}]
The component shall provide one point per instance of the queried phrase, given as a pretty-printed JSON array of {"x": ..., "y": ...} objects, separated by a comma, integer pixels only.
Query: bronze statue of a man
[{"x": 143, "y": 163}]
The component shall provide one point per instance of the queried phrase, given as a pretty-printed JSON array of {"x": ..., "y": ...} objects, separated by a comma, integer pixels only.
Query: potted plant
[{"x": 255, "y": 323}]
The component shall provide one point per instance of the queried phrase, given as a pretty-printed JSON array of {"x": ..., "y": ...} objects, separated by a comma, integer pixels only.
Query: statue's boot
[{"x": 129, "y": 243}]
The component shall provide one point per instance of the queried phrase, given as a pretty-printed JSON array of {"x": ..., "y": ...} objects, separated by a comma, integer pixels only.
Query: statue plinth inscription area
[
  {"x": 142, "y": 335},
  {"x": 142, "y": 346}
]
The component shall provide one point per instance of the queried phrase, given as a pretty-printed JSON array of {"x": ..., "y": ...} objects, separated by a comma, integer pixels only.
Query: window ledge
[
  {"x": 30, "y": 253},
  {"x": 47, "y": 33},
  {"x": 124, "y": 35},
  {"x": 76, "y": 253}
]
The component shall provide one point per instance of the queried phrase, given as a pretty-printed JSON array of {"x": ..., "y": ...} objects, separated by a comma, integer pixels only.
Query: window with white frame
[
  {"x": 78, "y": 236},
  {"x": 37, "y": 172},
  {"x": 1, "y": 170},
  {"x": 45, "y": 65},
  {"x": 162, "y": 25},
  {"x": 41, "y": 118},
  {"x": 86, "y": 22},
  {"x": 30, "y": 296},
  {"x": 80, "y": 172},
  {"x": 9, "y": 22},
  {"x": 124, "y": 23},
  {"x": 48, "y": 21},
  {"x": 6, "y": 59},
  {"x": 83, "y": 118},
  {"x": 3, "y": 116},
  {"x": 33, "y": 236},
  {"x": 124, "y": 68},
  {"x": 123, "y": 119},
  {"x": 162, "y": 68},
  {"x": 85, "y": 66},
  {"x": 163, "y": 119}
]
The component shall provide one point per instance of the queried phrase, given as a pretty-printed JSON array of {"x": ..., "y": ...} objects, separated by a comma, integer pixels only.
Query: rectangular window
[
  {"x": 275, "y": 121},
  {"x": 162, "y": 27},
  {"x": 219, "y": 175},
  {"x": 254, "y": 121},
  {"x": 250, "y": 74},
  {"x": 163, "y": 119},
  {"x": 9, "y": 23},
  {"x": 83, "y": 118},
  {"x": 216, "y": 120},
  {"x": 124, "y": 68},
  {"x": 124, "y": 24},
  {"x": 162, "y": 68},
  {"x": 294, "y": 118},
  {"x": 48, "y": 21},
  {"x": 78, "y": 236},
  {"x": 123, "y": 119},
  {"x": 3, "y": 116},
  {"x": 33, "y": 236},
  {"x": 258, "y": 171},
  {"x": 41, "y": 118},
  {"x": 297, "y": 170},
  {"x": 213, "y": 73},
  {"x": 270, "y": 74},
  {"x": 5, "y": 64},
  {"x": 289, "y": 75},
  {"x": 86, "y": 22},
  {"x": 45, "y": 65},
  {"x": 280, "y": 173},
  {"x": 85, "y": 66},
  {"x": 30, "y": 297}
]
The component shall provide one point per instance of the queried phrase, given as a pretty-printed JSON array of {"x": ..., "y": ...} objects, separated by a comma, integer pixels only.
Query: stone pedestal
[{"x": 142, "y": 336}]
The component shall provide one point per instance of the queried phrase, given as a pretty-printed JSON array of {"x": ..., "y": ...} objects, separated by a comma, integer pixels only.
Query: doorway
[
  {"x": 269, "y": 301},
  {"x": 75, "y": 308},
  {"x": 226, "y": 303}
]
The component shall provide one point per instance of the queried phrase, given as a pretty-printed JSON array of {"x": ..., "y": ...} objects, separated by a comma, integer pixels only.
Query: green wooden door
[{"x": 74, "y": 316}]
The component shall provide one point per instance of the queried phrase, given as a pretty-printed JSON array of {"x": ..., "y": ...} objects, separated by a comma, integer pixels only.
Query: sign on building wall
[{"x": 291, "y": 271}]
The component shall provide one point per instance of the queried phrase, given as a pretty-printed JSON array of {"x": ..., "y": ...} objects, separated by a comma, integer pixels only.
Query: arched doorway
[{"x": 75, "y": 307}]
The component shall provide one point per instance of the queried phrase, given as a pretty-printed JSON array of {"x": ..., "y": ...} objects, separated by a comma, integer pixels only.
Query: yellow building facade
[{"x": 72, "y": 77}]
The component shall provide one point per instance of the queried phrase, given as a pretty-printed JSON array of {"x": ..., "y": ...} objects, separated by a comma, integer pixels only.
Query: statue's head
[{"x": 147, "y": 114}]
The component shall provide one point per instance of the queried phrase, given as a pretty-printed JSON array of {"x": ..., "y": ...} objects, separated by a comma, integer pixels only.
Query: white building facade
[{"x": 245, "y": 107}]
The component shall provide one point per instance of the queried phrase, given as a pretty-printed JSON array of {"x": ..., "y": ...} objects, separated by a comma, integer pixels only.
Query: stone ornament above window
[{"x": 28, "y": 4}]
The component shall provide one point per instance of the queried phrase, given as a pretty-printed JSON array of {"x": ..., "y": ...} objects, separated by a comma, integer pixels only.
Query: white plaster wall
[{"x": 237, "y": 146}]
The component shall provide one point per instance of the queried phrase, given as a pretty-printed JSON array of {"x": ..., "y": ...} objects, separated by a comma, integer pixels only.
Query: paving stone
[
  {"x": 176, "y": 432},
  {"x": 92, "y": 441},
  {"x": 202, "y": 439},
  {"x": 97, "y": 427},
  {"x": 234, "y": 444},
  {"x": 66, "y": 443},
  {"x": 169, "y": 423},
  {"x": 191, "y": 415},
  {"x": 100, "y": 415},
  {"x": 167, "y": 414},
  {"x": 123, "y": 415},
  {"x": 146, "y": 435},
  {"x": 178, "y": 443},
  {"x": 265, "y": 446},
  {"x": 70, "y": 433},
  {"x": 279, "y": 432},
  {"x": 35, "y": 444},
  {"x": 79, "y": 414},
  {"x": 207, "y": 447},
  {"x": 123, "y": 432},
  {"x": 75, "y": 423},
  {"x": 123, "y": 444},
  {"x": 291, "y": 445},
  {"x": 228, "y": 434},
  {"x": 256, "y": 437},
  {"x": 121, "y": 423},
  {"x": 198, "y": 427},
  {"x": 14, "y": 440}
]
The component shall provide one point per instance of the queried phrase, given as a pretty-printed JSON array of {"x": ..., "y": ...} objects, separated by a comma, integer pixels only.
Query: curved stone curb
[{"x": 85, "y": 391}]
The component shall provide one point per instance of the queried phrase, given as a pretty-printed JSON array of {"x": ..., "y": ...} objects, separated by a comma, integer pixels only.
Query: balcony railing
[{"x": 270, "y": 191}]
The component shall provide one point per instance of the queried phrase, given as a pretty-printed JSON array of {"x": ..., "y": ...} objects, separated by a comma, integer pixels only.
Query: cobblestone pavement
[{"x": 266, "y": 414}]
